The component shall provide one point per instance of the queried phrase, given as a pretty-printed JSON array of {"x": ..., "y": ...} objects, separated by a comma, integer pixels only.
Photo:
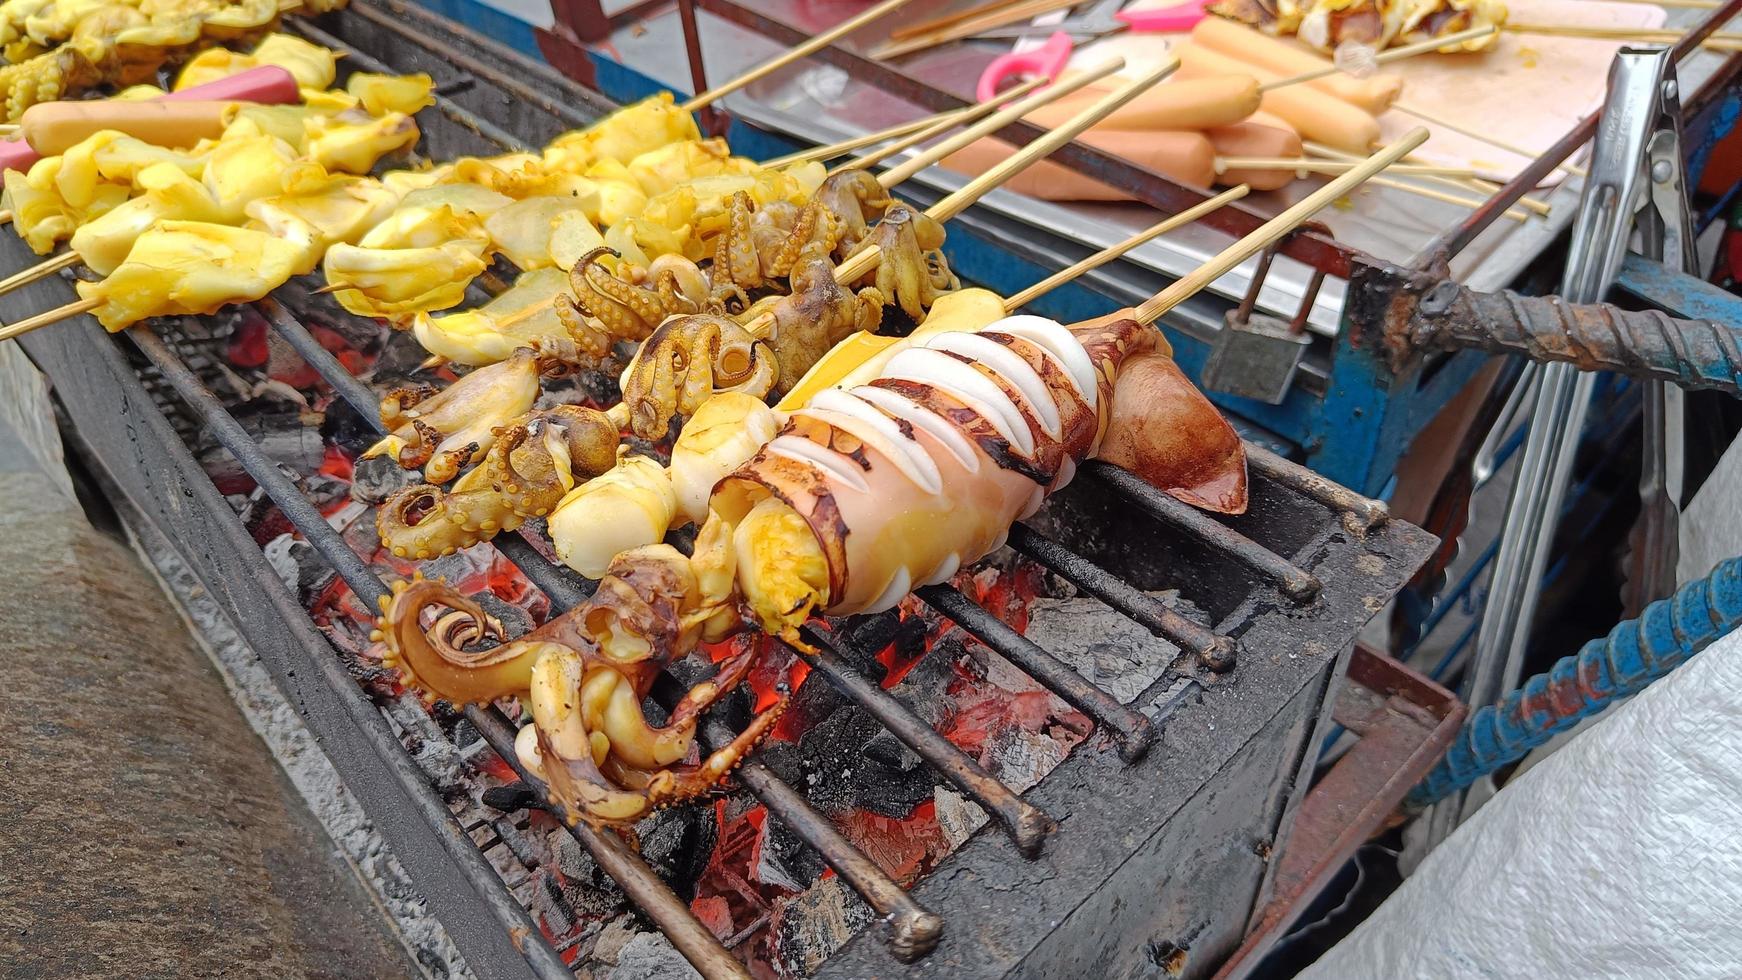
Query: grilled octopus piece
[
  {"x": 760, "y": 245},
  {"x": 912, "y": 271},
  {"x": 819, "y": 314},
  {"x": 534, "y": 461},
  {"x": 444, "y": 431},
  {"x": 688, "y": 359},
  {"x": 606, "y": 309},
  {"x": 855, "y": 198},
  {"x": 584, "y": 675}
]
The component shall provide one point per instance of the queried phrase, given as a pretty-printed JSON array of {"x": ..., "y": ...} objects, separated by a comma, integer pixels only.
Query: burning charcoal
[
  {"x": 888, "y": 751},
  {"x": 829, "y": 765},
  {"x": 783, "y": 860},
  {"x": 809, "y": 928},
  {"x": 587, "y": 889},
  {"x": 1021, "y": 758},
  {"x": 677, "y": 843},
  {"x": 922, "y": 689},
  {"x": 299, "y": 566},
  {"x": 1109, "y": 650},
  {"x": 650, "y": 956},
  {"x": 284, "y": 435},
  {"x": 958, "y": 816},
  {"x": 374, "y": 479},
  {"x": 342, "y": 425},
  {"x": 399, "y": 360}
]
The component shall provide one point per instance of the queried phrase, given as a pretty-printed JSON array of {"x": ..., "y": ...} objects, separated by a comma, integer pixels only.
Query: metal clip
[{"x": 1256, "y": 355}]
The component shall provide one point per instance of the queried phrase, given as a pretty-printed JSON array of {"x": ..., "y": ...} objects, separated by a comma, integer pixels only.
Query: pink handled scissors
[{"x": 1050, "y": 58}]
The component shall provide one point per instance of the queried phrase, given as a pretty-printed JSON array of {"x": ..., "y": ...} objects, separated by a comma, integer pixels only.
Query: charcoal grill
[{"x": 1149, "y": 847}]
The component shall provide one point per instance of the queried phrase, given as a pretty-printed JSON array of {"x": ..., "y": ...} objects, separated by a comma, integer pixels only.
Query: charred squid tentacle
[
  {"x": 435, "y": 663},
  {"x": 687, "y": 360},
  {"x": 735, "y": 258}
]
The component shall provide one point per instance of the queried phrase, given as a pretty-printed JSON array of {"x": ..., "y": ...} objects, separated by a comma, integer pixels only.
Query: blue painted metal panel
[
  {"x": 490, "y": 22},
  {"x": 1678, "y": 293}
]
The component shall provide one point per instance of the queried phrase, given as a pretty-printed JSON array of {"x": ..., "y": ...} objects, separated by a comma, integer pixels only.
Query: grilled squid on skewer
[
  {"x": 868, "y": 491},
  {"x": 446, "y": 430}
]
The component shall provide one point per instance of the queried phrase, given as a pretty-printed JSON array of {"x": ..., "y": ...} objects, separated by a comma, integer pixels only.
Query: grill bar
[
  {"x": 1134, "y": 732},
  {"x": 514, "y": 919},
  {"x": 1026, "y": 824},
  {"x": 1215, "y": 652},
  {"x": 914, "y": 931},
  {"x": 1366, "y": 512},
  {"x": 1295, "y": 582}
]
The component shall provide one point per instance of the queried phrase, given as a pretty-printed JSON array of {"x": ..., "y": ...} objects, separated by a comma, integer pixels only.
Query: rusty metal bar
[
  {"x": 284, "y": 493},
  {"x": 1365, "y": 512},
  {"x": 644, "y": 888},
  {"x": 1294, "y": 582},
  {"x": 1411, "y": 313},
  {"x": 1026, "y": 824},
  {"x": 1215, "y": 652},
  {"x": 1133, "y": 732},
  {"x": 914, "y": 931},
  {"x": 1144, "y": 185}
]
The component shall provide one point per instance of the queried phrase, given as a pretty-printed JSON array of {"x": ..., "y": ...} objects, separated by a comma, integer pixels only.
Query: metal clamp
[{"x": 1256, "y": 355}]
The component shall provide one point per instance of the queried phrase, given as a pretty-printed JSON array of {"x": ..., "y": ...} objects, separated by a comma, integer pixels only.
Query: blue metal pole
[{"x": 1634, "y": 654}]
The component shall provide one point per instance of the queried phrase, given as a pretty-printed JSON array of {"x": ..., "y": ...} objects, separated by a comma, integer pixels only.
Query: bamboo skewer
[
  {"x": 1433, "y": 195},
  {"x": 56, "y": 315},
  {"x": 1430, "y": 118},
  {"x": 862, "y": 262},
  {"x": 1275, "y": 229},
  {"x": 8, "y": 130},
  {"x": 937, "y": 129},
  {"x": 1112, "y": 252},
  {"x": 940, "y": 23},
  {"x": 1483, "y": 187},
  {"x": 895, "y": 48},
  {"x": 1388, "y": 55},
  {"x": 43, "y": 269},
  {"x": 5, "y": 217},
  {"x": 847, "y": 146},
  {"x": 1309, "y": 165},
  {"x": 1002, "y": 118},
  {"x": 1719, "y": 41},
  {"x": 804, "y": 50}
]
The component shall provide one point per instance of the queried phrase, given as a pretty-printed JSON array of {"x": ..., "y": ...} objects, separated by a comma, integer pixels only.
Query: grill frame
[{"x": 148, "y": 460}]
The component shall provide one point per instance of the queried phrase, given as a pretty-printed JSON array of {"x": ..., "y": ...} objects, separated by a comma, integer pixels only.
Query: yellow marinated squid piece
[
  {"x": 245, "y": 168},
  {"x": 382, "y": 94},
  {"x": 623, "y": 135},
  {"x": 629, "y": 506},
  {"x": 418, "y": 260},
  {"x": 191, "y": 267},
  {"x": 522, "y": 316},
  {"x": 346, "y": 142},
  {"x": 659, "y": 170},
  {"x": 104, "y": 243},
  {"x": 522, "y": 231},
  {"x": 332, "y": 208},
  {"x": 313, "y": 66}
]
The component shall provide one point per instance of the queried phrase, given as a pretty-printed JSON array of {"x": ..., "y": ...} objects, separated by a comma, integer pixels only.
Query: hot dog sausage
[
  {"x": 1315, "y": 115},
  {"x": 1373, "y": 95},
  {"x": 1197, "y": 103},
  {"x": 1262, "y": 135},
  {"x": 1185, "y": 157},
  {"x": 53, "y": 127}
]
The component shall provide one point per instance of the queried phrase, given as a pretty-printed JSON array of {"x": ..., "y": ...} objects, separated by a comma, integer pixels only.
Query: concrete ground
[{"x": 144, "y": 828}]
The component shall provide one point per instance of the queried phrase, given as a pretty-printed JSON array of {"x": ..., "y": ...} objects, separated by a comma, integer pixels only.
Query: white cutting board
[{"x": 1527, "y": 90}]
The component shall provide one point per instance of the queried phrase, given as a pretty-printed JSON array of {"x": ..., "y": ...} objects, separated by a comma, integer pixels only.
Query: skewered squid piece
[
  {"x": 856, "y": 199},
  {"x": 419, "y": 259},
  {"x": 623, "y": 135},
  {"x": 1326, "y": 24},
  {"x": 336, "y": 207},
  {"x": 522, "y": 316},
  {"x": 444, "y": 431},
  {"x": 535, "y": 461},
  {"x": 584, "y": 675},
  {"x": 192, "y": 267},
  {"x": 313, "y": 66},
  {"x": 869, "y": 492},
  {"x": 41, "y": 216}
]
